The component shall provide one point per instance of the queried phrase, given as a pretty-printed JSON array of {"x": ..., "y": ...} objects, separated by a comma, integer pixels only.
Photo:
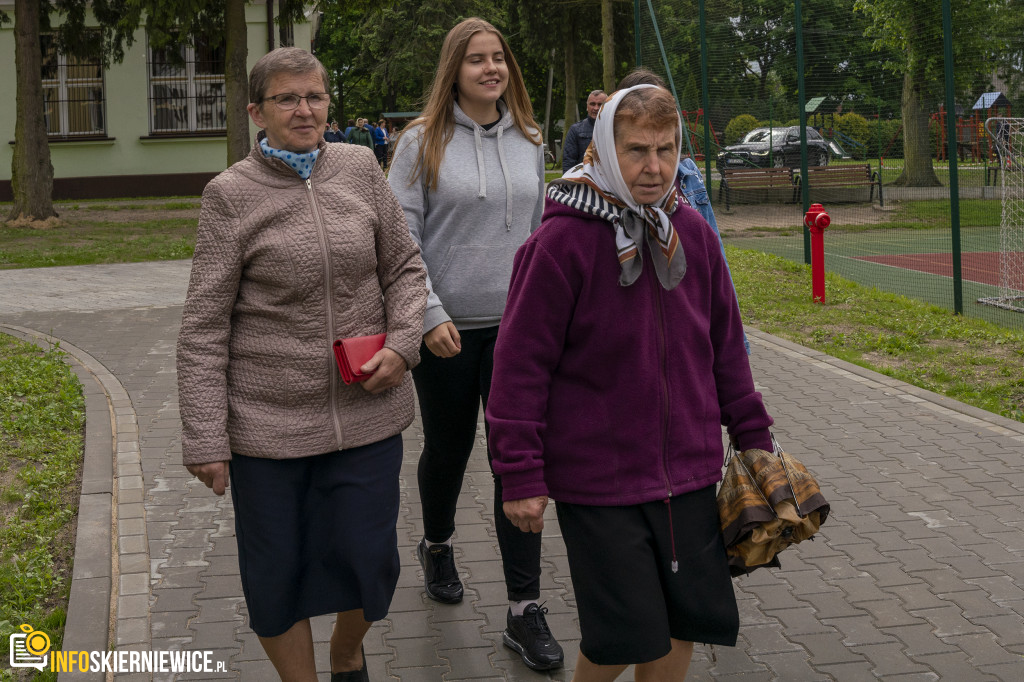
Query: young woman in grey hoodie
[{"x": 469, "y": 174}]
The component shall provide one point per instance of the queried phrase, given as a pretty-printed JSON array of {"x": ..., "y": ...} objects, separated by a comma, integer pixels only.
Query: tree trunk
[
  {"x": 339, "y": 107},
  {"x": 608, "y": 44},
  {"x": 236, "y": 80},
  {"x": 270, "y": 25},
  {"x": 917, "y": 152},
  {"x": 571, "y": 112},
  {"x": 31, "y": 170}
]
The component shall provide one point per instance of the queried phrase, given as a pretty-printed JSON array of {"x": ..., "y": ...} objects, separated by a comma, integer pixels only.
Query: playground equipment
[
  {"x": 971, "y": 141},
  {"x": 694, "y": 132},
  {"x": 1008, "y": 137}
]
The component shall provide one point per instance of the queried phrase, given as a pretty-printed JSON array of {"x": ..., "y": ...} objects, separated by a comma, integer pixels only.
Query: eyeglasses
[{"x": 288, "y": 101}]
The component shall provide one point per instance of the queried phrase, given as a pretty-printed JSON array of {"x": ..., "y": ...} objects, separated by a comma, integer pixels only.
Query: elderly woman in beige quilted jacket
[{"x": 300, "y": 244}]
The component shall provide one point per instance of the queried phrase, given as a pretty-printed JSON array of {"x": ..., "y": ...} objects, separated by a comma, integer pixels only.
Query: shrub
[
  {"x": 738, "y": 127},
  {"x": 881, "y": 134},
  {"x": 855, "y": 127}
]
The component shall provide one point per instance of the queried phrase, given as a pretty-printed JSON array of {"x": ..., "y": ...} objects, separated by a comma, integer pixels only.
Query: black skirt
[
  {"x": 316, "y": 535},
  {"x": 631, "y": 603}
]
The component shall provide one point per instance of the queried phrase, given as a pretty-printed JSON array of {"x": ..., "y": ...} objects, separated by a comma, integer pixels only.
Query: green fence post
[
  {"x": 704, "y": 100},
  {"x": 805, "y": 191},
  {"x": 636, "y": 32},
  {"x": 954, "y": 180}
]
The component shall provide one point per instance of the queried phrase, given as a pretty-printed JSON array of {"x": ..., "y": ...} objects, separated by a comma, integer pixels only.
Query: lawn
[
  {"x": 42, "y": 416},
  {"x": 104, "y": 232}
]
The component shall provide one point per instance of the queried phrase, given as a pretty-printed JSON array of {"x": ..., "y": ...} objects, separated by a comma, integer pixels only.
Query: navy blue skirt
[{"x": 316, "y": 535}]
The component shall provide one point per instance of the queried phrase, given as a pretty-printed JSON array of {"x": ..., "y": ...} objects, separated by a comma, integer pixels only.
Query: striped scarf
[{"x": 596, "y": 187}]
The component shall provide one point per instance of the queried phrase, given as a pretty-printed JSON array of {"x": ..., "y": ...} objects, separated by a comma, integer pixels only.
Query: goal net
[{"x": 1008, "y": 134}]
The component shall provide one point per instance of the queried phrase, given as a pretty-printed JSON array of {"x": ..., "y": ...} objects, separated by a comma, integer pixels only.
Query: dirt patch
[
  {"x": 51, "y": 223},
  {"x": 128, "y": 211},
  {"x": 746, "y": 218}
]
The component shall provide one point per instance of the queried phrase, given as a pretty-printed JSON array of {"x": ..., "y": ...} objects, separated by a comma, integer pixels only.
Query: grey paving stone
[
  {"x": 469, "y": 663},
  {"x": 827, "y": 648},
  {"x": 954, "y": 666},
  {"x": 792, "y": 666}
]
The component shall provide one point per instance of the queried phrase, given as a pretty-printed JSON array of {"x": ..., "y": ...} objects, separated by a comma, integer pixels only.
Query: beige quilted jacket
[{"x": 283, "y": 267}]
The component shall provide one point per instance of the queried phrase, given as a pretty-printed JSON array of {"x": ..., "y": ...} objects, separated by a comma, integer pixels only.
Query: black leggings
[{"x": 449, "y": 392}]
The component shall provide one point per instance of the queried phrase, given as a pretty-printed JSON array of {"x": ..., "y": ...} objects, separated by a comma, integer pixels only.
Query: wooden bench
[
  {"x": 754, "y": 179},
  {"x": 841, "y": 176}
]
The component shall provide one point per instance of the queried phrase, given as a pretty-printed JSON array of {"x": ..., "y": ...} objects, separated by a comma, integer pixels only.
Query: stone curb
[
  {"x": 111, "y": 434},
  {"x": 908, "y": 392}
]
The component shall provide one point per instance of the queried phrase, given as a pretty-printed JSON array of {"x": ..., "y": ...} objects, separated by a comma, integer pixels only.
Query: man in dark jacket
[
  {"x": 578, "y": 138},
  {"x": 332, "y": 134}
]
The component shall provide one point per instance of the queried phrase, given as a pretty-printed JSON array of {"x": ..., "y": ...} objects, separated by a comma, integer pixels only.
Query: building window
[
  {"x": 73, "y": 101},
  {"x": 186, "y": 89}
]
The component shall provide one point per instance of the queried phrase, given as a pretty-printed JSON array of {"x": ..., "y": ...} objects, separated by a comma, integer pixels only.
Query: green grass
[
  {"x": 970, "y": 360},
  {"x": 42, "y": 416},
  {"x": 85, "y": 242}
]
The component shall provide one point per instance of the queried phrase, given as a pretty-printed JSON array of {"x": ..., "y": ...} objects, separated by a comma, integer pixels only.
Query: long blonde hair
[{"x": 438, "y": 117}]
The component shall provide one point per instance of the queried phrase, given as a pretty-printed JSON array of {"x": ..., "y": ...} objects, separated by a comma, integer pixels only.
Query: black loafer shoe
[
  {"x": 352, "y": 675},
  {"x": 529, "y": 636},
  {"x": 440, "y": 577}
]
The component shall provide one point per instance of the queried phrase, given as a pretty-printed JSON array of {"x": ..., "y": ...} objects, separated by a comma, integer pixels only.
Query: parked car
[{"x": 753, "y": 151}]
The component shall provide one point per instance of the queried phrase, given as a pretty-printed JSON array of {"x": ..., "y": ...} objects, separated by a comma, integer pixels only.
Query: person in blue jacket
[{"x": 691, "y": 181}]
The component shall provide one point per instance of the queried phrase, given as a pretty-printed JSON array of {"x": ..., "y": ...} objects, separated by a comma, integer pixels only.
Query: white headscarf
[{"x": 596, "y": 187}]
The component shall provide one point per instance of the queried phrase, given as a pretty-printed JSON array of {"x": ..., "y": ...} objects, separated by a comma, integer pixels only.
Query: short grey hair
[
  {"x": 595, "y": 92},
  {"x": 290, "y": 60}
]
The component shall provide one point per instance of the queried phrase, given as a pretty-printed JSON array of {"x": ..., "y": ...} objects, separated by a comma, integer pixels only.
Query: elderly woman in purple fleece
[{"x": 619, "y": 358}]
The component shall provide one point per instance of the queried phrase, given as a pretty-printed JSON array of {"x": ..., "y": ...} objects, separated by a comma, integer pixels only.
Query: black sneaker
[
  {"x": 440, "y": 578},
  {"x": 529, "y": 635}
]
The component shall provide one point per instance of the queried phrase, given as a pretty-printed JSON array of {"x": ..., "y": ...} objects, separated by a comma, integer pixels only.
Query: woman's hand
[
  {"x": 212, "y": 474},
  {"x": 388, "y": 367},
  {"x": 527, "y": 514},
  {"x": 443, "y": 340}
]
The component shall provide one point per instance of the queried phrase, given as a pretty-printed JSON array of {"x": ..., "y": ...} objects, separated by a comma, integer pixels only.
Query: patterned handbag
[{"x": 767, "y": 502}]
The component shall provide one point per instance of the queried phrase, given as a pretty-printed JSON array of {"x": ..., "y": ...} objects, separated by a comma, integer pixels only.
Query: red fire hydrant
[{"x": 816, "y": 221}]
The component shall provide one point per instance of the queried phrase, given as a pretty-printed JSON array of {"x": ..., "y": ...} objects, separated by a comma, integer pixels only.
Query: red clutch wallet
[{"x": 353, "y": 353}]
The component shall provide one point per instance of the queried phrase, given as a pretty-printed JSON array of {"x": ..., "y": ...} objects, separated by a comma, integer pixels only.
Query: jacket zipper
[
  {"x": 665, "y": 411},
  {"x": 665, "y": 417},
  {"x": 328, "y": 278}
]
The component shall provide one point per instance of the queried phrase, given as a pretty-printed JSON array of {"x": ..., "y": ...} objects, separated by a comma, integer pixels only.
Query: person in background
[
  {"x": 469, "y": 173},
  {"x": 619, "y": 359},
  {"x": 332, "y": 134},
  {"x": 351, "y": 126},
  {"x": 578, "y": 137},
  {"x": 299, "y": 244},
  {"x": 380, "y": 142},
  {"x": 691, "y": 182},
  {"x": 361, "y": 135}
]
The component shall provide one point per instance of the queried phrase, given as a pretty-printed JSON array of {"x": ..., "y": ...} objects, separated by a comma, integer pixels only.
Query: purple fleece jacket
[{"x": 612, "y": 395}]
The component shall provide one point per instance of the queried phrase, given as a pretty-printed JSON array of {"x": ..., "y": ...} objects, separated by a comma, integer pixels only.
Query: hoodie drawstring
[
  {"x": 671, "y": 535},
  {"x": 481, "y": 170},
  {"x": 508, "y": 182}
]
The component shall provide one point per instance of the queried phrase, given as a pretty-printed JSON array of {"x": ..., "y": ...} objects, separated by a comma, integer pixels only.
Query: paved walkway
[{"x": 918, "y": 574}]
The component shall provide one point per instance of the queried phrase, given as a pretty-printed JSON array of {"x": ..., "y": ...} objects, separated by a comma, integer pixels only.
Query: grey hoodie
[{"x": 489, "y": 198}]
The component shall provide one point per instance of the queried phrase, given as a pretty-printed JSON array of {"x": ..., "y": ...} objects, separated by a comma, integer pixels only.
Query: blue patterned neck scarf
[{"x": 300, "y": 163}]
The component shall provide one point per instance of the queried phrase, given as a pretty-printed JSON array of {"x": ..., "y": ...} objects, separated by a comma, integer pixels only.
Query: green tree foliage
[
  {"x": 912, "y": 33},
  {"x": 382, "y": 55}
]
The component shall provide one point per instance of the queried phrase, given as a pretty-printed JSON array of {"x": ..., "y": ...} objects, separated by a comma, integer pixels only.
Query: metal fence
[{"x": 880, "y": 117}]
